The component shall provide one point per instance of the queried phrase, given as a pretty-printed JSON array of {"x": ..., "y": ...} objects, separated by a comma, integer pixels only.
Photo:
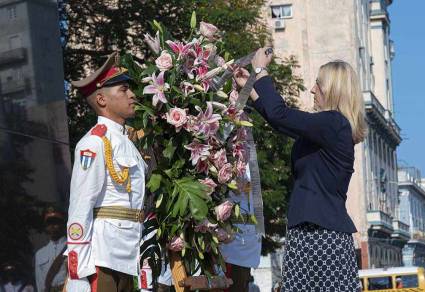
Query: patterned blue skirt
[{"x": 318, "y": 259}]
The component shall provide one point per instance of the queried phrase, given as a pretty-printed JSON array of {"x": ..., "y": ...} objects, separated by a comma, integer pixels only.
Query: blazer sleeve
[{"x": 319, "y": 127}]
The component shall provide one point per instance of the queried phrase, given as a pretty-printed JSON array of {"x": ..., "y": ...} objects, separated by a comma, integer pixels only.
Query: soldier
[
  {"x": 107, "y": 189},
  {"x": 13, "y": 278},
  {"x": 50, "y": 267}
]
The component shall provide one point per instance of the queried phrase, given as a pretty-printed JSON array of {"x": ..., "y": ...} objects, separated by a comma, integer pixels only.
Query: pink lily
[
  {"x": 187, "y": 88},
  {"x": 153, "y": 43},
  {"x": 179, "y": 48},
  {"x": 198, "y": 151},
  {"x": 208, "y": 121},
  {"x": 201, "y": 56},
  {"x": 157, "y": 88}
]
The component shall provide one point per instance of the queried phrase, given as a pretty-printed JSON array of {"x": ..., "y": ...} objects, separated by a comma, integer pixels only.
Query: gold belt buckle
[{"x": 140, "y": 216}]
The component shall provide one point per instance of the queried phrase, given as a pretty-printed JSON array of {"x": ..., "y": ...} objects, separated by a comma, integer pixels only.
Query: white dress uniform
[
  {"x": 110, "y": 243},
  {"x": 44, "y": 258},
  {"x": 245, "y": 249}
]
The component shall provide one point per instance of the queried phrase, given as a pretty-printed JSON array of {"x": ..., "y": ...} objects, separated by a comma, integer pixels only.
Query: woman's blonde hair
[{"x": 341, "y": 91}]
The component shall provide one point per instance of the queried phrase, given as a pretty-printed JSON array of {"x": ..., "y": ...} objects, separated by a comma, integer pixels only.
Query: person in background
[
  {"x": 50, "y": 265},
  {"x": 13, "y": 279}
]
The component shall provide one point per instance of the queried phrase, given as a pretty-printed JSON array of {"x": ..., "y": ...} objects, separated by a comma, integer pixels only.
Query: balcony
[
  {"x": 13, "y": 86},
  {"x": 379, "y": 220},
  {"x": 13, "y": 56},
  {"x": 381, "y": 118},
  {"x": 401, "y": 230}
]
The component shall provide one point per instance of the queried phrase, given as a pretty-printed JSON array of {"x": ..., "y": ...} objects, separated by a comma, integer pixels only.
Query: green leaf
[
  {"x": 226, "y": 56},
  {"x": 169, "y": 150},
  {"x": 149, "y": 70},
  {"x": 201, "y": 255},
  {"x": 254, "y": 219},
  {"x": 232, "y": 185},
  {"x": 183, "y": 251},
  {"x": 154, "y": 182},
  {"x": 244, "y": 123},
  {"x": 196, "y": 194},
  {"x": 159, "y": 201},
  {"x": 158, "y": 26},
  {"x": 183, "y": 206},
  {"x": 215, "y": 239},
  {"x": 193, "y": 20},
  {"x": 237, "y": 211}
]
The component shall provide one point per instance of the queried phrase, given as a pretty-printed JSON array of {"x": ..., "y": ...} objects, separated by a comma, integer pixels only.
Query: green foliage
[{"x": 122, "y": 28}]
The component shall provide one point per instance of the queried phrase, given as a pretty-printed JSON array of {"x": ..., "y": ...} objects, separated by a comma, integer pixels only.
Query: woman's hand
[
  {"x": 241, "y": 76},
  {"x": 261, "y": 59}
]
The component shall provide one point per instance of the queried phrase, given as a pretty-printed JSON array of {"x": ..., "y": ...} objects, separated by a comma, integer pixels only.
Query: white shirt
[
  {"x": 9, "y": 287},
  {"x": 44, "y": 258},
  {"x": 110, "y": 243}
]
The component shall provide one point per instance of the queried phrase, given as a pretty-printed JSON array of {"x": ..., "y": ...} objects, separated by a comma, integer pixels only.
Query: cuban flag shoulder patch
[{"x": 86, "y": 158}]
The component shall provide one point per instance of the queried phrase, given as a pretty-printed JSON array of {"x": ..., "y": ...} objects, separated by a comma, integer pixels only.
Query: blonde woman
[{"x": 319, "y": 254}]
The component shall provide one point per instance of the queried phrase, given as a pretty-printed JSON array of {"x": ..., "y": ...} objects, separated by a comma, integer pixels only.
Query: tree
[{"x": 96, "y": 28}]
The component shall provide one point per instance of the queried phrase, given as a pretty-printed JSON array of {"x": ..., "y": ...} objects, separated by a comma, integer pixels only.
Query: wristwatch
[{"x": 258, "y": 70}]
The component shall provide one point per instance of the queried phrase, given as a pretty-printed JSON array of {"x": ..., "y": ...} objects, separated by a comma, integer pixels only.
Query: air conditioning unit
[{"x": 279, "y": 24}]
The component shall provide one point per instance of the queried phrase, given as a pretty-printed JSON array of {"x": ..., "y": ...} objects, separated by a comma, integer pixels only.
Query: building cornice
[{"x": 412, "y": 185}]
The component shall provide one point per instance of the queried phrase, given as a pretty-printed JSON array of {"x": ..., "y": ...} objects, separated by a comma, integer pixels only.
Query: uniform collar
[
  {"x": 111, "y": 125},
  {"x": 61, "y": 240}
]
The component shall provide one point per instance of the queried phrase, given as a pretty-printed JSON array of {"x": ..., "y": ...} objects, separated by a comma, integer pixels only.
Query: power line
[{"x": 33, "y": 136}]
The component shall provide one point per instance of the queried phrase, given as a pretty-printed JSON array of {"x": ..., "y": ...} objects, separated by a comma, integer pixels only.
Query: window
[
  {"x": 406, "y": 281},
  {"x": 380, "y": 283},
  {"x": 282, "y": 11},
  {"x": 11, "y": 11}
]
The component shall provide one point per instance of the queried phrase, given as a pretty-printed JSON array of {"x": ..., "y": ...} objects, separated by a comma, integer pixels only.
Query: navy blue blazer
[{"x": 322, "y": 159}]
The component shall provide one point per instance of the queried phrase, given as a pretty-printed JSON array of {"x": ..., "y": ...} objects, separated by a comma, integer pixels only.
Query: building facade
[
  {"x": 34, "y": 154},
  {"x": 412, "y": 210},
  {"x": 358, "y": 32}
]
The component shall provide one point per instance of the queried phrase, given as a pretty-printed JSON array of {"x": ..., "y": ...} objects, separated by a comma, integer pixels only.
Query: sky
[{"x": 408, "y": 68}]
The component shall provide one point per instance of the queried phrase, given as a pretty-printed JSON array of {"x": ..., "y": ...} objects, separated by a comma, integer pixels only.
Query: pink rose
[
  {"x": 164, "y": 62},
  {"x": 176, "y": 244},
  {"x": 176, "y": 117},
  {"x": 219, "y": 158},
  {"x": 209, "y": 183},
  {"x": 225, "y": 173},
  {"x": 224, "y": 210},
  {"x": 222, "y": 234},
  {"x": 205, "y": 226},
  {"x": 208, "y": 30}
]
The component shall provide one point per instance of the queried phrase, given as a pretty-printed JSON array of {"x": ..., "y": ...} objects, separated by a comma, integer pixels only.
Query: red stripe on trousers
[
  {"x": 228, "y": 274},
  {"x": 93, "y": 280}
]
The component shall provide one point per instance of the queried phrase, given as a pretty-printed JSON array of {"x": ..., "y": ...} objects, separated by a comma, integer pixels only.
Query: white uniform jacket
[{"x": 110, "y": 243}]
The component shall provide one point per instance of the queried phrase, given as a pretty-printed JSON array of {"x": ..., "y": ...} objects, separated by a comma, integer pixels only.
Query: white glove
[{"x": 78, "y": 285}]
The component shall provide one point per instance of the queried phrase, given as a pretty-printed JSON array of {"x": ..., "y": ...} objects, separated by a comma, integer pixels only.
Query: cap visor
[{"x": 117, "y": 79}]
